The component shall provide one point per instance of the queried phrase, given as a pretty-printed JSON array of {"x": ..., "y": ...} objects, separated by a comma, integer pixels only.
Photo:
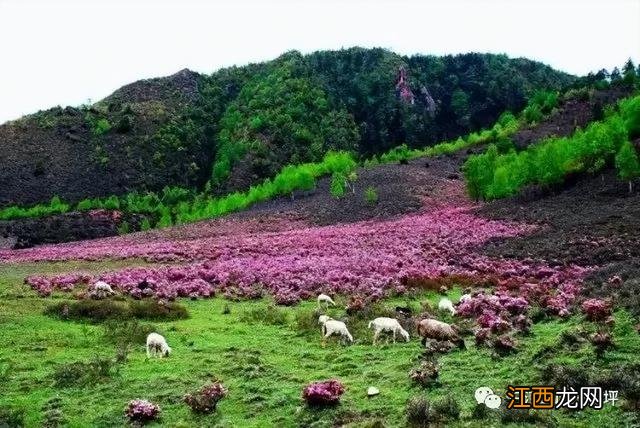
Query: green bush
[
  {"x": 630, "y": 111},
  {"x": 492, "y": 175},
  {"x": 124, "y": 125},
  {"x": 627, "y": 163},
  {"x": 145, "y": 224},
  {"x": 101, "y": 126},
  {"x": 307, "y": 321},
  {"x": 419, "y": 412},
  {"x": 52, "y": 413},
  {"x": 11, "y": 417},
  {"x": 81, "y": 373},
  {"x": 446, "y": 409},
  {"x": 337, "y": 186},
  {"x": 127, "y": 333},
  {"x": 267, "y": 314},
  {"x": 123, "y": 228},
  {"x": 533, "y": 114},
  {"x": 153, "y": 310},
  {"x": 109, "y": 309},
  {"x": 371, "y": 195}
]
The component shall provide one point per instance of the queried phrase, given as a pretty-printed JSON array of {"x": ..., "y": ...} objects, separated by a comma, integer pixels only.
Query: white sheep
[
  {"x": 323, "y": 319},
  {"x": 101, "y": 290},
  {"x": 446, "y": 305},
  {"x": 157, "y": 346},
  {"x": 332, "y": 327},
  {"x": 323, "y": 298},
  {"x": 387, "y": 324}
]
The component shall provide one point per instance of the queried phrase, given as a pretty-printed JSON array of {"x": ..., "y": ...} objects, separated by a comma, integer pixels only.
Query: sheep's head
[
  {"x": 167, "y": 351},
  {"x": 405, "y": 334},
  {"x": 323, "y": 319}
]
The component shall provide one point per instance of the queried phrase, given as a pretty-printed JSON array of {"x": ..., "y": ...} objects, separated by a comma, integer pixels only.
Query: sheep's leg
[
  {"x": 375, "y": 336},
  {"x": 324, "y": 339},
  {"x": 394, "y": 336}
]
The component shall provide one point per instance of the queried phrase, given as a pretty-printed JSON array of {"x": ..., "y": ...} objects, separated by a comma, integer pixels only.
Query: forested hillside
[{"x": 231, "y": 129}]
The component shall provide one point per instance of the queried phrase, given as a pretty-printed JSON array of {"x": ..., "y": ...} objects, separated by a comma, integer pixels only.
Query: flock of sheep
[{"x": 427, "y": 328}]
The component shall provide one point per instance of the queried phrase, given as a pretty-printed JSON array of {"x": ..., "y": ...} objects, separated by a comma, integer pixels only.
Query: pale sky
[{"x": 68, "y": 51}]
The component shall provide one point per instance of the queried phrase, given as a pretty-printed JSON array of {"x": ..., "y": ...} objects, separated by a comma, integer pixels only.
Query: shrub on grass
[
  {"x": 560, "y": 375},
  {"x": 141, "y": 411},
  {"x": 446, "y": 409},
  {"x": 80, "y": 373},
  {"x": 267, "y": 314},
  {"x": 52, "y": 413},
  {"x": 526, "y": 416},
  {"x": 127, "y": 333},
  {"x": 206, "y": 398},
  {"x": 11, "y": 417},
  {"x": 480, "y": 411},
  {"x": 307, "y": 321},
  {"x": 158, "y": 310},
  {"x": 323, "y": 393},
  {"x": 504, "y": 344},
  {"x": 90, "y": 310},
  {"x": 419, "y": 412},
  {"x": 602, "y": 342},
  {"x": 97, "y": 311},
  {"x": 426, "y": 374}
]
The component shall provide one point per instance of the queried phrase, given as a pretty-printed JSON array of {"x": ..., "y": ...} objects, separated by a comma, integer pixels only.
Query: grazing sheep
[
  {"x": 323, "y": 298},
  {"x": 101, "y": 290},
  {"x": 157, "y": 346},
  {"x": 323, "y": 319},
  {"x": 433, "y": 329},
  {"x": 332, "y": 327},
  {"x": 387, "y": 324},
  {"x": 446, "y": 305}
]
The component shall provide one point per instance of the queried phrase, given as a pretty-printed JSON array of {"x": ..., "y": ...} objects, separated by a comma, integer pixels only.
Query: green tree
[
  {"x": 628, "y": 164},
  {"x": 629, "y": 76}
]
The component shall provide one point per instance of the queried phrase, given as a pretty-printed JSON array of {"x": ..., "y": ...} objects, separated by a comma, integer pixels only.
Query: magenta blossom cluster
[
  {"x": 327, "y": 392},
  {"x": 368, "y": 258},
  {"x": 141, "y": 411},
  {"x": 596, "y": 309}
]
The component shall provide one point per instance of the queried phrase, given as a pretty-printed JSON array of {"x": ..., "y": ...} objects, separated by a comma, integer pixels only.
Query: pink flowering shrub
[
  {"x": 596, "y": 309},
  {"x": 206, "y": 399},
  {"x": 141, "y": 411},
  {"x": 289, "y": 260},
  {"x": 327, "y": 392}
]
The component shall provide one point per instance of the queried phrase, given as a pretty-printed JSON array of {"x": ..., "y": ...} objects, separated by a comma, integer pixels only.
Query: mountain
[{"x": 228, "y": 130}]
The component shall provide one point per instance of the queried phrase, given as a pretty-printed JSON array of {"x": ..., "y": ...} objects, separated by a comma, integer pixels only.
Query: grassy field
[{"x": 265, "y": 356}]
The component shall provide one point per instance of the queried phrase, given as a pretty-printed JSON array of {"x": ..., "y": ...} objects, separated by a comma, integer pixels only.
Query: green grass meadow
[{"x": 265, "y": 357}]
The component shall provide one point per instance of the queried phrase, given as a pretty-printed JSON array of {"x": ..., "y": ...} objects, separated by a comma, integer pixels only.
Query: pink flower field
[{"x": 292, "y": 261}]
